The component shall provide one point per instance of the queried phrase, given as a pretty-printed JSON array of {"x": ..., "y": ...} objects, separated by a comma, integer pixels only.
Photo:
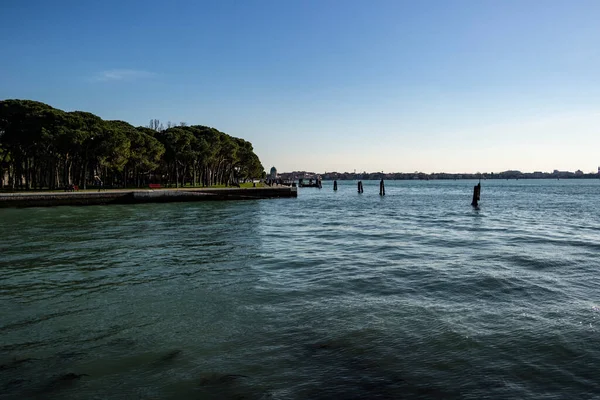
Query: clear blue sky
[{"x": 329, "y": 85}]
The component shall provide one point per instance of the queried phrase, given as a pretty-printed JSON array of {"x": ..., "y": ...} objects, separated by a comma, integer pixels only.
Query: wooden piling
[
  {"x": 334, "y": 185},
  {"x": 360, "y": 187},
  {"x": 476, "y": 194},
  {"x": 381, "y": 188}
]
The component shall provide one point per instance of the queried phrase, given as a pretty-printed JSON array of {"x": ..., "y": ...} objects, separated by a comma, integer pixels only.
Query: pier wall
[{"x": 50, "y": 199}]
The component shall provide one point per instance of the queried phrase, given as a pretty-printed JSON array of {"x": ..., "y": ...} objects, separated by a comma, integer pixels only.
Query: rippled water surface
[{"x": 330, "y": 295}]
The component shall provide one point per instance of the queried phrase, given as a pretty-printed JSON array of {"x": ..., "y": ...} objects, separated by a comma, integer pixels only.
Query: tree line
[{"x": 44, "y": 147}]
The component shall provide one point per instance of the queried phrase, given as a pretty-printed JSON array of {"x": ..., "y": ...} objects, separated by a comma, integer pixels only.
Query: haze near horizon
[{"x": 394, "y": 86}]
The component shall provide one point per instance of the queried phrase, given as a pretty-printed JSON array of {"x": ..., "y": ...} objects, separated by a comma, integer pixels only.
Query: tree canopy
[{"x": 44, "y": 147}]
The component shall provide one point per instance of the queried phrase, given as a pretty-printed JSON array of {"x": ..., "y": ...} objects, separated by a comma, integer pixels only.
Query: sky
[{"x": 329, "y": 85}]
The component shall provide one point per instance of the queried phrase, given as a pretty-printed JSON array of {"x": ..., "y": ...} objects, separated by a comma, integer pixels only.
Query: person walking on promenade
[{"x": 98, "y": 182}]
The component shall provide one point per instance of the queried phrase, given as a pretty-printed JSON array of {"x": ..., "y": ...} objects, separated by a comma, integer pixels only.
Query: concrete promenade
[{"x": 88, "y": 198}]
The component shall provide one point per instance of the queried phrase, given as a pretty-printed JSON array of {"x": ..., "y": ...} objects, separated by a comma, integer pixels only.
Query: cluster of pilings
[
  {"x": 474, "y": 203},
  {"x": 361, "y": 190},
  {"x": 360, "y": 187}
]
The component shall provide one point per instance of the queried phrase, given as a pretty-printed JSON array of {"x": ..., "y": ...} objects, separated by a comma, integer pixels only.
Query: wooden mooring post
[
  {"x": 334, "y": 185},
  {"x": 476, "y": 194},
  {"x": 360, "y": 187},
  {"x": 381, "y": 188}
]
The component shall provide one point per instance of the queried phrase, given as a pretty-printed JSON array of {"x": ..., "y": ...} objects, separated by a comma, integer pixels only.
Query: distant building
[
  {"x": 273, "y": 174},
  {"x": 579, "y": 172}
]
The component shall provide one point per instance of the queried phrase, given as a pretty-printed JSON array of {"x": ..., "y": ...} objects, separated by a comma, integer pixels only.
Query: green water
[{"x": 330, "y": 295}]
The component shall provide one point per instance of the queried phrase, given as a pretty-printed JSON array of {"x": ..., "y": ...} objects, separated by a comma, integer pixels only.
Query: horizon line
[{"x": 513, "y": 171}]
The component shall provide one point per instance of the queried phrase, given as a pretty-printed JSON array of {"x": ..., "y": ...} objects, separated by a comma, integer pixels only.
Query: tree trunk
[
  {"x": 194, "y": 174},
  {"x": 85, "y": 167},
  {"x": 27, "y": 178}
]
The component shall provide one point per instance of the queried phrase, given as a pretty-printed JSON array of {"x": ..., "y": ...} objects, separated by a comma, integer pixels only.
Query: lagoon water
[{"x": 330, "y": 295}]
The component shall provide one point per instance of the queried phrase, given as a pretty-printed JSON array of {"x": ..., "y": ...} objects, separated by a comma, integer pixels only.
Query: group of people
[
  {"x": 271, "y": 182},
  {"x": 97, "y": 182}
]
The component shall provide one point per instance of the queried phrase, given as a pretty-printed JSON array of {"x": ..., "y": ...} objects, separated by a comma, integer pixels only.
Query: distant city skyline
[
  {"x": 577, "y": 172},
  {"x": 505, "y": 175},
  {"x": 455, "y": 86}
]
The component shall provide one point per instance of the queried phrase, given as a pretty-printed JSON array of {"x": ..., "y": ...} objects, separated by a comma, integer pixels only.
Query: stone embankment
[{"x": 85, "y": 198}]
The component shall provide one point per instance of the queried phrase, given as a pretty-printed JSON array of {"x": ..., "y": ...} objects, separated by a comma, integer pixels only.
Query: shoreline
[{"x": 140, "y": 196}]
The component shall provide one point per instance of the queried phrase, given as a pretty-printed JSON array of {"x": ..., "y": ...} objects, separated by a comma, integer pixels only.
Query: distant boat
[{"x": 311, "y": 183}]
